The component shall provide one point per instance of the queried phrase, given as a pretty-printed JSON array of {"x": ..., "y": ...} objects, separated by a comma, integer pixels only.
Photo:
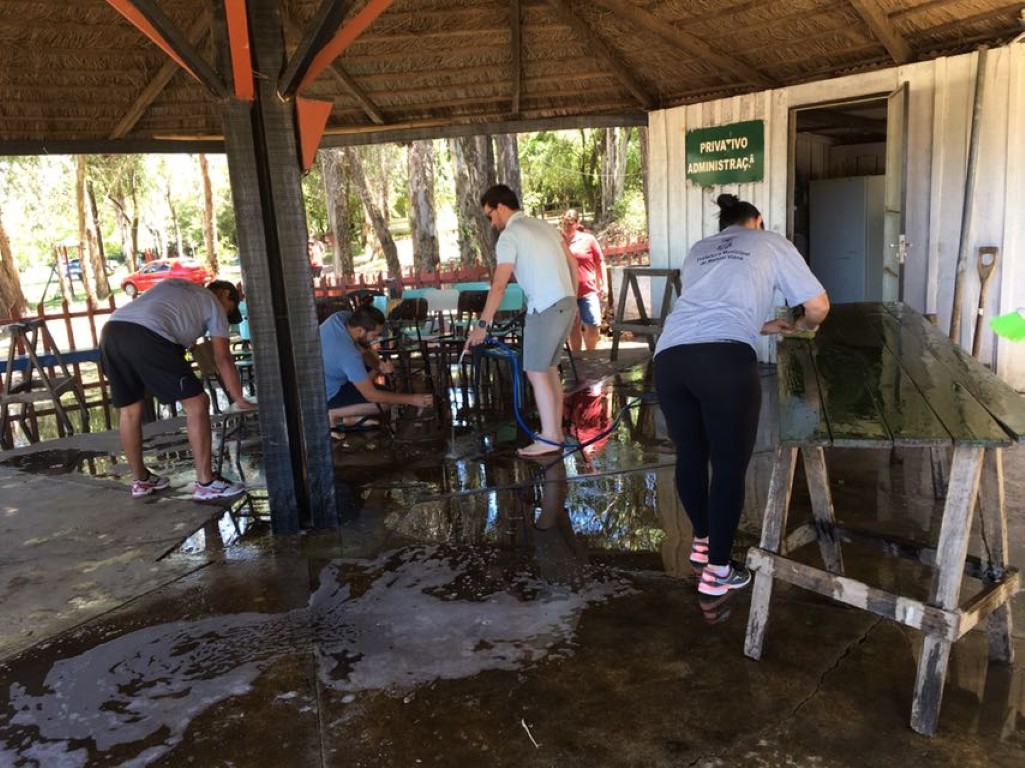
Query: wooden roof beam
[
  {"x": 337, "y": 71},
  {"x": 149, "y": 19},
  {"x": 601, "y": 49},
  {"x": 517, "y": 56},
  {"x": 156, "y": 86},
  {"x": 685, "y": 41},
  {"x": 325, "y": 40},
  {"x": 884, "y": 30}
]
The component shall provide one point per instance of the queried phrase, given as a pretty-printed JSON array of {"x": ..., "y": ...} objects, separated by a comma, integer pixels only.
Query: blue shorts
[
  {"x": 346, "y": 395},
  {"x": 590, "y": 309}
]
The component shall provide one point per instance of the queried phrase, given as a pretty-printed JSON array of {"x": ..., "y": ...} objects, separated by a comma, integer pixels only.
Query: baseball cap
[{"x": 235, "y": 315}]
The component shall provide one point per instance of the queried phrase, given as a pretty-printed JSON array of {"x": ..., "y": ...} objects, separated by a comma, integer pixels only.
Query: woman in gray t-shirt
[{"x": 706, "y": 373}]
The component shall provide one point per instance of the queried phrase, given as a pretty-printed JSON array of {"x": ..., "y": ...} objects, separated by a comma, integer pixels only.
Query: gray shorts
[{"x": 544, "y": 334}]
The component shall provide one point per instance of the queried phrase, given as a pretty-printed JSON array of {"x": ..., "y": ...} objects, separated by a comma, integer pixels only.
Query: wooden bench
[{"x": 880, "y": 376}]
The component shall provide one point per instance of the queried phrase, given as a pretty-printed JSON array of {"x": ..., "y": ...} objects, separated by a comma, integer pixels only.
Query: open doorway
[{"x": 847, "y": 195}]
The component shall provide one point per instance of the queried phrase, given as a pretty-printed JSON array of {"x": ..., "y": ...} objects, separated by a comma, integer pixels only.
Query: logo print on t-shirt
[{"x": 725, "y": 243}]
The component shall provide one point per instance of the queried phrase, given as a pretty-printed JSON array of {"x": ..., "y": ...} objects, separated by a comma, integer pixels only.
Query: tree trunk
[
  {"x": 336, "y": 195},
  {"x": 209, "y": 219},
  {"x": 175, "y": 229},
  {"x": 470, "y": 156},
  {"x": 589, "y": 165},
  {"x": 116, "y": 196},
  {"x": 642, "y": 138},
  {"x": 422, "y": 218},
  {"x": 359, "y": 178},
  {"x": 509, "y": 163},
  {"x": 133, "y": 263},
  {"x": 467, "y": 205},
  {"x": 11, "y": 296},
  {"x": 97, "y": 257},
  {"x": 83, "y": 232},
  {"x": 613, "y": 171}
]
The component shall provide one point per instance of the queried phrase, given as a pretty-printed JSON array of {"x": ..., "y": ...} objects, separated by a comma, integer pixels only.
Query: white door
[{"x": 894, "y": 242}]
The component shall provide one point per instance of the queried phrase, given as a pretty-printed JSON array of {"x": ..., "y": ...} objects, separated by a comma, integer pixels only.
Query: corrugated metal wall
[{"x": 939, "y": 122}]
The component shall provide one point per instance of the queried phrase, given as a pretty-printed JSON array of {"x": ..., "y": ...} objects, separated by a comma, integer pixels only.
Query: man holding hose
[{"x": 535, "y": 252}]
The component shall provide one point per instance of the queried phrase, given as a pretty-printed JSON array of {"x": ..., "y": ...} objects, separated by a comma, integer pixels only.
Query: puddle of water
[
  {"x": 411, "y": 617},
  {"x": 64, "y": 461}
]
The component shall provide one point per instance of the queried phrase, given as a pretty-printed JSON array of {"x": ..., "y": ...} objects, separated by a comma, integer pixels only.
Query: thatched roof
[{"x": 76, "y": 71}]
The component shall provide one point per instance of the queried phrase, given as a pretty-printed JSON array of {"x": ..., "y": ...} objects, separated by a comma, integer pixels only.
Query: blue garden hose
[{"x": 568, "y": 447}]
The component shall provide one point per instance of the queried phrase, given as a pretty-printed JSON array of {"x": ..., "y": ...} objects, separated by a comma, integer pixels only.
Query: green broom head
[{"x": 1010, "y": 326}]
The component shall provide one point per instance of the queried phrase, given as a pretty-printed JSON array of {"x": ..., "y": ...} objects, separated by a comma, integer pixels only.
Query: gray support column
[{"x": 260, "y": 140}]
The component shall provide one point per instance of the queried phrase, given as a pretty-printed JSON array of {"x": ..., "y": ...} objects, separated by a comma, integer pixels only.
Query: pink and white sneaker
[{"x": 153, "y": 482}]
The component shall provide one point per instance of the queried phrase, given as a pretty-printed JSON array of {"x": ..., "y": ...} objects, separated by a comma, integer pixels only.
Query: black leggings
[{"x": 711, "y": 397}]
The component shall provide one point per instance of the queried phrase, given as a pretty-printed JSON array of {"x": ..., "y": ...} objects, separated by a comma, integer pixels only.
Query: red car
[{"x": 162, "y": 269}]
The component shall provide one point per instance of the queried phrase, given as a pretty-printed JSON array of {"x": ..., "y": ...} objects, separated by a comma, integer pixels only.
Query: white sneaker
[
  {"x": 153, "y": 482},
  {"x": 218, "y": 488}
]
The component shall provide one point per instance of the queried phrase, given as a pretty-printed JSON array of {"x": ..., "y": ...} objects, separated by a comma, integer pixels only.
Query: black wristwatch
[{"x": 482, "y": 324}]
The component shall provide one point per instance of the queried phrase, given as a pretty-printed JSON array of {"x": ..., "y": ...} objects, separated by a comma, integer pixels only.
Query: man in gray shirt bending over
[
  {"x": 143, "y": 348},
  {"x": 547, "y": 272}
]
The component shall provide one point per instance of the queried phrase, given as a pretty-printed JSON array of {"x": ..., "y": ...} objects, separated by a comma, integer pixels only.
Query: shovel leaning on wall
[{"x": 987, "y": 263}]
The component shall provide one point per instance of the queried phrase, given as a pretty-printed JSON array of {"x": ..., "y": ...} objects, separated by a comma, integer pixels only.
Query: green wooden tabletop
[{"x": 881, "y": 374}]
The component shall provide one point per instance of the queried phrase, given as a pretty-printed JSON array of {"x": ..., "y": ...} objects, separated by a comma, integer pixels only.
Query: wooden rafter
[
  {"x": 596, "y": 45},
  {"x": 884, "y": 30},
  {"x": 155, "y": 87},
  {"x": 325, "y": 41},
  {"x": 149, "y": 19},
  {"x": 337, "y": 71},
  {"x": 517, "y": 55},
  {"x": 685, "y": 41},
  {"x": 494, "y": 124}
]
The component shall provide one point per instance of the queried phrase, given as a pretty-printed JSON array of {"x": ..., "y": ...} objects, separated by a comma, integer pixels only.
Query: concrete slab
[{"x": 475, "y": 609}]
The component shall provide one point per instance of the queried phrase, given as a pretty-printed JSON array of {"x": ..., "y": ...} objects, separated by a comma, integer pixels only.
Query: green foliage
[{"x": 314, "y": 201}]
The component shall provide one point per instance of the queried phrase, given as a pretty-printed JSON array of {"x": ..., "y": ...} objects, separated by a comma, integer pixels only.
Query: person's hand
[
  {"x": 475, "y": 337},
  {"x": 422, "y": 401},
  {"x": 777, "y": 326},
  {"x": 386, "y": 367},
  {"x": 245, "y": 405}
]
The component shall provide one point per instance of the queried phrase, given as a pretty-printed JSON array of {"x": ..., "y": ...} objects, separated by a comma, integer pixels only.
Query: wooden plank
[
  {"x": 950, "y": 555},
  {"x": 912, "y": 613},
  {"x": 993, "y": 521},
  {"x": 995, "y": 597},
  {"x": 884, "y": 30},
  {"x": 149, "y": 18},
  {"x": 686, "y": 42},
  {"x": 822, "y": 507},
  {"x": 801, "y": 536},
  {"x": 897, "y": 546},
  {"x": 602, "y": 50},
  {"x": 919, "y": 347},
  {"x": 516, "y": 65},
  {"x": 848, "y": 366},
  {"x": 155, "y": 87},
  {"x": 801, "y": 417},
  {"x": 1005, "y": 405},
  {"x": 359, "y": 135},
  {"x": 776, "y": 508}
]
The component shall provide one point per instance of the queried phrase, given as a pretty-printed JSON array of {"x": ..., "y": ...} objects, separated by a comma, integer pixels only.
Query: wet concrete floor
[{"x": 475, "y": 609}]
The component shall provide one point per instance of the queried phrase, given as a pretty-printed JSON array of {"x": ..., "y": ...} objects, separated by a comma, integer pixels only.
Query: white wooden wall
[{"x": 939, "y": 122}]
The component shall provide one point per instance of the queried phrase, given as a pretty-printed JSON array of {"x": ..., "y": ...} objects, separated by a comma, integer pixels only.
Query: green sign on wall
[{"x": 726, "y": 154}]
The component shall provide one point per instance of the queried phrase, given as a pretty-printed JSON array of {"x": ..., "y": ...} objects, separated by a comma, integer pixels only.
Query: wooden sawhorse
[
  {"x": 35, "y": 385},
  {"x": 650, "y": 327}
]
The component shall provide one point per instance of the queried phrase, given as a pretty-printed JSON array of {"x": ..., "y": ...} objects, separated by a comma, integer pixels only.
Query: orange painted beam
[
  {"x": 238, "y": 41},
  {"x": 127, "y": 9},
  {"x": 344, "y": 38},
  {"x": 311, "y": 118}
]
